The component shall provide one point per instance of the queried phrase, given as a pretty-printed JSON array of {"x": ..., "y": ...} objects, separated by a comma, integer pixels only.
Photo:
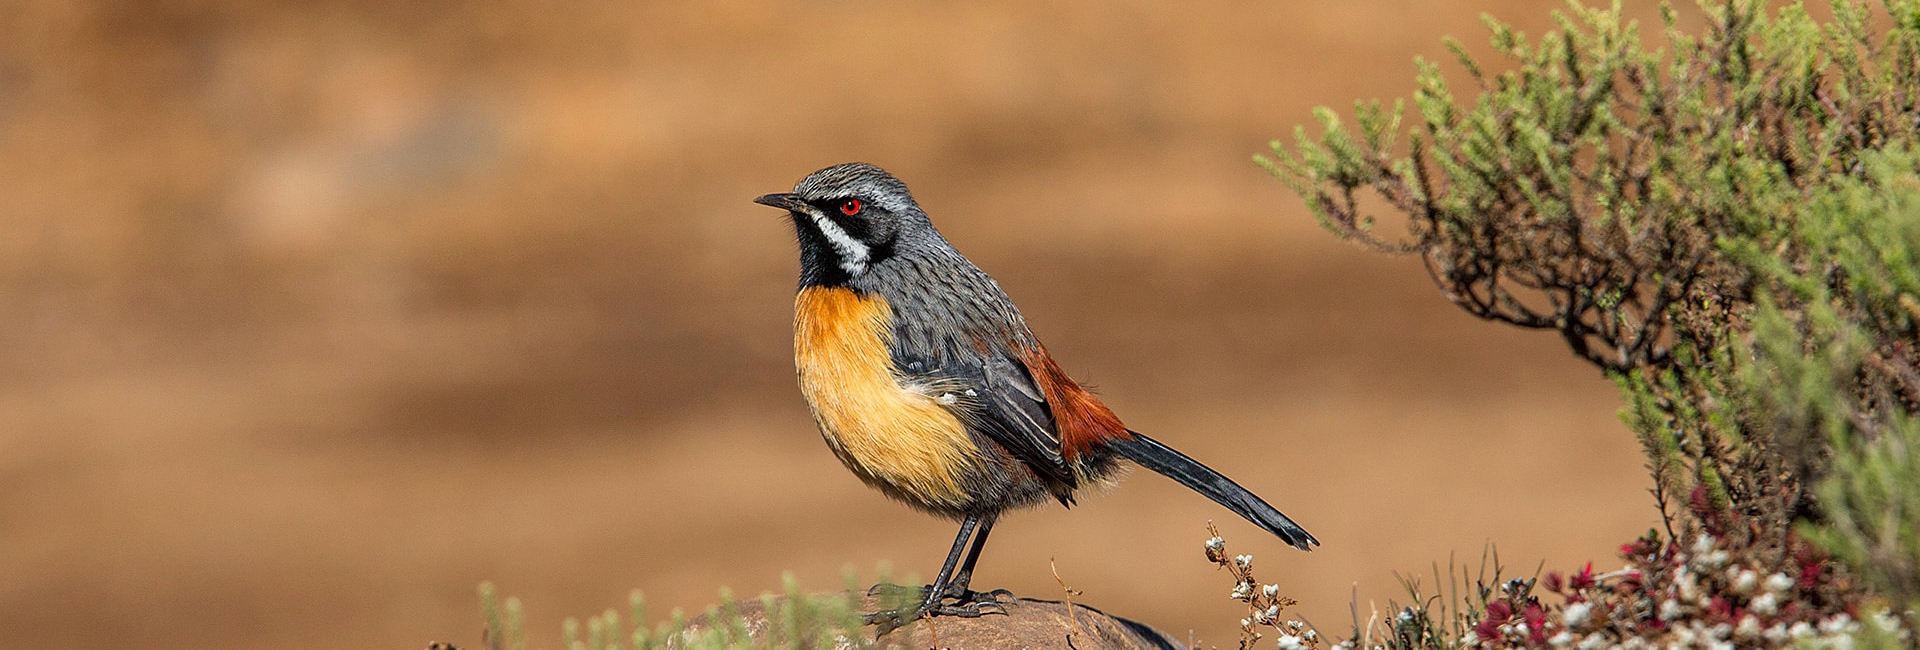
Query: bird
[{"x": 926, "y": 382}]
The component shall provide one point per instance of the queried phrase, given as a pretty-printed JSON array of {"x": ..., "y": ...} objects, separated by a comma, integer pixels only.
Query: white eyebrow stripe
[{"x": 853, "y": 254}]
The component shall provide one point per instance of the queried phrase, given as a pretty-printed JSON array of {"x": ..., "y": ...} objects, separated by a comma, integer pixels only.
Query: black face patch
[
  {"x": 857, "y": 225},
  {"x": 835, "y": 245},
  {"x": 819, "y": 265}
]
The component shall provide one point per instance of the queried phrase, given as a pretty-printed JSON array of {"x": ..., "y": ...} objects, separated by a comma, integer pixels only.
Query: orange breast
[{"x": 895, "y": 436}]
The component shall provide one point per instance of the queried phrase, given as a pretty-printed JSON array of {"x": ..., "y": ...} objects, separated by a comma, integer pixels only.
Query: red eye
[{"x": 850, "y": 207}]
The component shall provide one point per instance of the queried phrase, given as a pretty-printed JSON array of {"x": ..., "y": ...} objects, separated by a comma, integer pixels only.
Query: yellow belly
[{"x": 897, "y": 438}]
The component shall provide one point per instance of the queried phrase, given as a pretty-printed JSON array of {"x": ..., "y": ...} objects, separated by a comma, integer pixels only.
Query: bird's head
[{"x": 848, "y": 218}]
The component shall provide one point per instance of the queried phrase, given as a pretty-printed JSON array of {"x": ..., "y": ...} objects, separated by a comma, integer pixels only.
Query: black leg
[
  {"x": 957, "y": 587},
  {"x": 888, "y": 620},
  {"x": 939, "y": 586}
]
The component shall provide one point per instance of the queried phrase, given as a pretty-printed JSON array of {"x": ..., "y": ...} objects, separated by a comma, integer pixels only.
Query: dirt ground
[{"x": 315, "y": 315}]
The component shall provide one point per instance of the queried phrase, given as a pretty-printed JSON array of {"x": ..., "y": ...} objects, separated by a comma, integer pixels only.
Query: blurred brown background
[{"x": 314, "y": 315}]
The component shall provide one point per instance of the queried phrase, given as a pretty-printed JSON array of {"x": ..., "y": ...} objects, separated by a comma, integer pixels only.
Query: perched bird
[{"x": 927, "y": 384}]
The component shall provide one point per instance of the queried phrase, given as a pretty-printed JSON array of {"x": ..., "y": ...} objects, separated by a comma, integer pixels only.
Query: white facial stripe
[{"x": 853, "y": 254}]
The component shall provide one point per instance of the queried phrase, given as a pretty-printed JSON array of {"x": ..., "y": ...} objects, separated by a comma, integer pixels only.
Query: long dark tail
[{"x": 1160, "y": 458}]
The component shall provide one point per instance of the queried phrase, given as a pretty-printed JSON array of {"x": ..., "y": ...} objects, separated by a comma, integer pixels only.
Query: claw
[
  {"x": 971, "y": 609},
  {"x": 995, "y": 596},
  {"x": 907, "y": 604},
  {"x": 886, "y": 621}
]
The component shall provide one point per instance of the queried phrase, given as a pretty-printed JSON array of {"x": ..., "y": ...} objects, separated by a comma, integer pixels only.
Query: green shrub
[
  {"x": 796, "y": 620},
  {"x": 1723, "y": 224},
  {"x": 1833, "y": 355}
]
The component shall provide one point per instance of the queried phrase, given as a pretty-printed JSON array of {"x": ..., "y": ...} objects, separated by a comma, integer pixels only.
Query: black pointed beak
[{"x": 784, "y": 201}]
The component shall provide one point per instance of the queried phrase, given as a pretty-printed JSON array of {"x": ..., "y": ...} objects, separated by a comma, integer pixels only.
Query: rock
[{"x": 1028, "y": 623}]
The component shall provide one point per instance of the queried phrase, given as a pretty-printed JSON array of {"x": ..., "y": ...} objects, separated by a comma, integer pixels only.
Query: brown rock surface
[{"x": 1028, "y": 623}]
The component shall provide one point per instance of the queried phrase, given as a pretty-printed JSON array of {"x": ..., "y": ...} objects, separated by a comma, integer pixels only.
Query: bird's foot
[
  {"x": 888, "y": 620},
  {"x": 980, "y": 604},
  {"x": 899, "y": 605},
  {"x": 964, "y": 595},
  {"x": 961, "y": 603}
]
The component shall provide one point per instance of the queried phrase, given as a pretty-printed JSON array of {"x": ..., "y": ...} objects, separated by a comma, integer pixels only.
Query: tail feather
[{"x": 1162, "y": 459}]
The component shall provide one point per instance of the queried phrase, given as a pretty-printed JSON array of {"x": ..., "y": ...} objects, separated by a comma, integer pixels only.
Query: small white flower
[
  {"x": 1245, "y": 561},
  {"x": 1702, "y": 544},
  {"x": 1748, "y": 629},
  {"x": 1291, "y": 625},
  {"x": 1577, "y": 613},
  {"x": 1776, "y": 634},
  {"x": 1311, "y": 636},
  {"x": 1886, "y": 621},
  {"x": 1404, "y": 617},
  {"x": 1595, "y": 641},
  {"x": 1800, "y": 630},
  {"x": 1246, "y": 622},
  {"x": 1469, "y": 638},
  {"x": 1719, "y": 631},
  {"x": 1561, "y": 640},
  {"x": 1669, "y": 609},
  {"x": 1765, "y": 605},
  {"x": 1779, "y": 583},
  {"x": 1708, "y": 560},
  {"x": 1746, "y": 582},
  {"x": 1291, "y": 642},
  {"x": 1839, "y": 624},
  {"x": 1270, "y": 590},
  {"x": 1689, "y": 588},
  {"x": 1216, "y": 544},
  {"x": 1242, "y": 590}
]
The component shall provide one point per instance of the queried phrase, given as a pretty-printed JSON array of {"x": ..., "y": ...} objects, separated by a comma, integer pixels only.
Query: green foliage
[
  {"x": 1833, "y": 353},
  {"x": 502, "y": 632},
  {"x": 1458, "y": 603},
  {"x": 794, "y": 620},
  {"x": 1723, "y": 222},
  {"x": 1582, "y": 190}
]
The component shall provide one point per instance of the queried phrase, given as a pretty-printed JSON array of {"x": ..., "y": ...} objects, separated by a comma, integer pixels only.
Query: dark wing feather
[{"x": 997, "y": 397}]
